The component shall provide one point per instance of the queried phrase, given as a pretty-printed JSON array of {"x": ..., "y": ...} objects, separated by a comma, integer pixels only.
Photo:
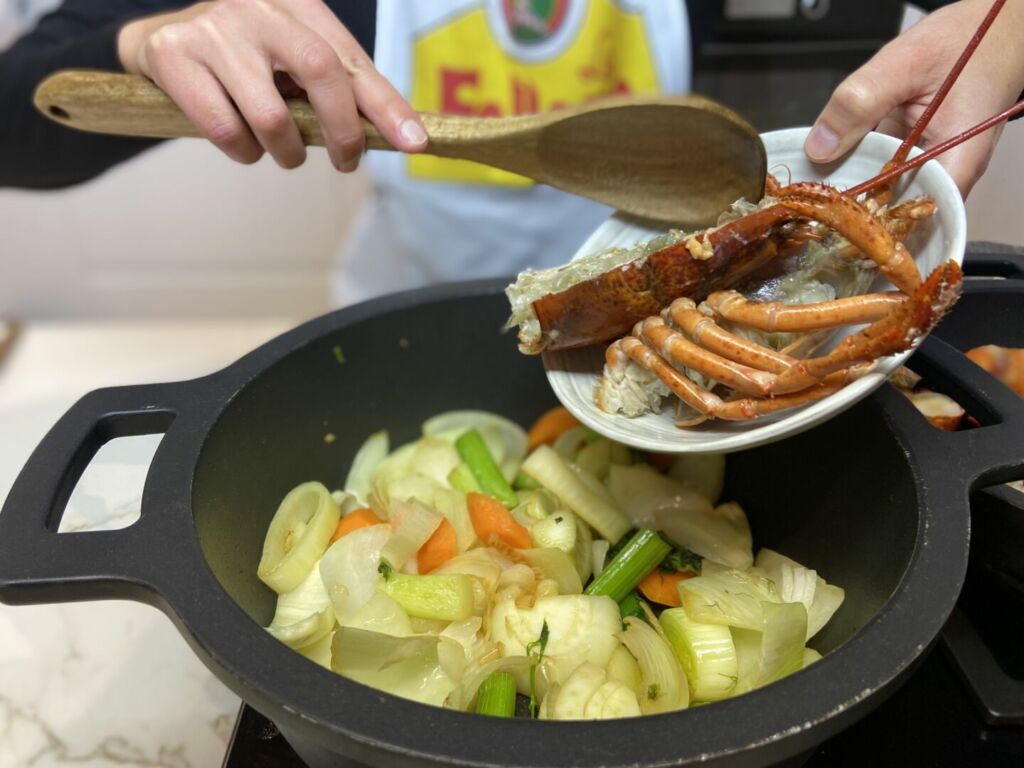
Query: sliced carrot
[
  {"x": 438, "y": 549},
  {"x": 354, "y": 520},
  {"x": 550, "y": 425},
  {"x": 663, "y": 588},
  {"x": 492, "y": 520}
]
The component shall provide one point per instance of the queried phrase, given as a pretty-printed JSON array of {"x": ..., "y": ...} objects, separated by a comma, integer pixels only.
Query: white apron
[{"x": 432, "y": 220}]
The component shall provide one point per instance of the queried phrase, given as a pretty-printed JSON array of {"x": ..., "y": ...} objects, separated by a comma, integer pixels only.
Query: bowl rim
[{"x": 572, "y": 372}]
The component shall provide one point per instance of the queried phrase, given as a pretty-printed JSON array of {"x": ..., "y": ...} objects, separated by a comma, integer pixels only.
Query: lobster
[{"x": 676, "y": 325}]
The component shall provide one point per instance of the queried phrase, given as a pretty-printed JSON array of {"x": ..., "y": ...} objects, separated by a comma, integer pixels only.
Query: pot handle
[{"x": 38, "y": 564}]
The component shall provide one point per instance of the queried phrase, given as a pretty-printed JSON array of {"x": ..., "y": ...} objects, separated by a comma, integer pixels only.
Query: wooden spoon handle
[{"x": 131, "y": 105}]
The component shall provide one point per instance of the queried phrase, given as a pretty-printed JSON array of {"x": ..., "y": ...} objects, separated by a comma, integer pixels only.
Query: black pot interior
[{"x": 840, "y": 498}]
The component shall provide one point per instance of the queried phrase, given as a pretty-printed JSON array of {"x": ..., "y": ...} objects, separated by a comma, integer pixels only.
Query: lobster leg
[{"x": 774, "y": 316}]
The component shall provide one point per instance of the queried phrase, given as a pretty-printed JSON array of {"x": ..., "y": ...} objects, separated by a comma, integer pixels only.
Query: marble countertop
[{"x": 106, "y": 683}]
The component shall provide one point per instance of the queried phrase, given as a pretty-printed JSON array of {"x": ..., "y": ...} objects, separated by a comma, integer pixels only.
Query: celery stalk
[
  {"x": 497, "y": 696},
  {"x": 446, "y": 597},
  {"x": 462, "y": 479},
  {"x": 628, "y": 568},
  {"x": 474, "y": 453}
]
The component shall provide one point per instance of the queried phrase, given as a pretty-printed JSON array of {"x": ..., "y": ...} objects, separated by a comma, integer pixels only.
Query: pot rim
[{"x": 316, "y": 702}]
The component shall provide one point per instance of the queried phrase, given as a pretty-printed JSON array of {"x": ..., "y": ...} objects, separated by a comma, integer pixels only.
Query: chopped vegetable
[
  {"x": 550, "y": 425},
  {"x": 598, "y": 511},
  {"x": 662, "y": 587},
  {"x": 497, "y": 696},
  {"x": 445, "y": 597},
  {"x": 474, "y": 453},
  {"x": 706, "y": 652},
  {"x": 299, "y": 534},
  {"x": 638, "y": 558},
  {"x": 429, "y": 578},
  {"x": 663, "y": 686},
  {"x": 491, "y": 520},
  {"x": 354, "y": 520},
  {"x": 438, "y": 549}
]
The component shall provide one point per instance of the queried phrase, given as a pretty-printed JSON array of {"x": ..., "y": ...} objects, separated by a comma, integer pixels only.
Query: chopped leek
[
  {"x": 474, "y": 453},
  {"x": 298, "y": 536},
  {"x": 548, "y": 468},
  {"x": 497, "y": 696},
  {"x": 638, "y": 558},
  {"x": 706, "y": 652}
]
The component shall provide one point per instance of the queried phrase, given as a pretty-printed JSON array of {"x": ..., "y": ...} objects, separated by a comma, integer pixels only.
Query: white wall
[{"x": 178, "y": 231}]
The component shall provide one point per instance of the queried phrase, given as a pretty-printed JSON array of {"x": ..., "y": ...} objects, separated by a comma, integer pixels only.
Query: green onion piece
[
  {"x": 497, "y": 696},
  {"x": 461, "y": 479},
  {"x": 523, "y": 482},
  {"x": 473, "y": 450},
  {"x": 638, "y": 558},
  {"x": 632, "y": 605},
  {"x": 447, "y": 597}
]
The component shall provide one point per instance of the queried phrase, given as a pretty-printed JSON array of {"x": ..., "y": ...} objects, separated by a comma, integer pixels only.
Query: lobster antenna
[
  {"x": 947, "y": 84},
  {"x": 938, "y": 149}
]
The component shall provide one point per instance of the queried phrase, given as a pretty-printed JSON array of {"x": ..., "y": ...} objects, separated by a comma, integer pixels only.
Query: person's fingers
[
  {"x": 314, "y": 64},
  {"x": 377, "y": 99},
  {"x": 967, "y": 162},
  {"x": 860, "y": 102},
  {"x": 248, "y": 78},
  {"x": 198, "y": 93}
]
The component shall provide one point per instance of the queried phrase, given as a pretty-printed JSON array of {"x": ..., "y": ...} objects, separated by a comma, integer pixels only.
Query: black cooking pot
[{"x": 876, "y": 500}]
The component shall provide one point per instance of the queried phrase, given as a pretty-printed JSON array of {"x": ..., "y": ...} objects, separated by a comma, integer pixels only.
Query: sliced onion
[
  {"x": 701, "y": 472},
  {"x": 623, "y": 667},
  {"x": 369, "y": 455},
  {"x": 382, "y": 614},
  {"x": 403, "y": 666},
  {"x": 297, "y": 536},
  {"x": 304, "y": 615},
  {"x": 349, "y": 569},
  {"x": 506, "y": 440},
  {"x": 556, "y": 565},
  {"x": 412, "y": 523},
  {"x": 599, "y": 550}
]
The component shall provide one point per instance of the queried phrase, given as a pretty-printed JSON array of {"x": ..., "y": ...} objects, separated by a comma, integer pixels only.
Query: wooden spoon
[{"x": 680, "y": 159}]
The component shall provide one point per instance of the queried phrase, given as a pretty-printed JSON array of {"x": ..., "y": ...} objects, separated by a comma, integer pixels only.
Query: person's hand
[
  {"x": 218, "y": 61},
  {"x": 892, "y": 89}
]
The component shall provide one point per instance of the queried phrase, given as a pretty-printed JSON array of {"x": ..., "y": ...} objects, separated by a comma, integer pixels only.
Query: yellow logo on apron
[{"x": 460, "y": 68}]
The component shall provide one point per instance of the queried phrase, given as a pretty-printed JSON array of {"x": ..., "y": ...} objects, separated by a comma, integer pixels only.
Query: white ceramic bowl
[{"x": 574, "y": 373}]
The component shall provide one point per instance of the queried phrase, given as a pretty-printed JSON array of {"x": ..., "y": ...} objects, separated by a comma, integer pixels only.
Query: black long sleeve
[{"x": 37, "y": 153}]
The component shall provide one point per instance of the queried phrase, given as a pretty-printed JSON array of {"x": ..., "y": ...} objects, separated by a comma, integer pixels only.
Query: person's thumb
[{"x": 858, "y": 105}]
